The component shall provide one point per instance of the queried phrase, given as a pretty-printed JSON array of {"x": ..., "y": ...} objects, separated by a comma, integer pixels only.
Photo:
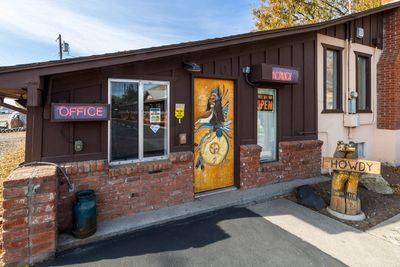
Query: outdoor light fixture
[
  {"x": 191, "y": 66},
  {"x": 360, "y": 32}
]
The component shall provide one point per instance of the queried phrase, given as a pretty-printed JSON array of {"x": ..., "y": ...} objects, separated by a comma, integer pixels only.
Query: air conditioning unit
[{"x": 351, "y": 120}]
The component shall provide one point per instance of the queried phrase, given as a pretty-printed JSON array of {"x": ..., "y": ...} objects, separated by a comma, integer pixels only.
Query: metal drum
[{"x": 84, "y": 214}]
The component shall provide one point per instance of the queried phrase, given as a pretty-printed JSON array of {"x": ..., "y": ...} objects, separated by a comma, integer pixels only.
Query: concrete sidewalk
[
  {"x": 388, "y": 230},
  {"x": 345, "y": 243},
  {"x": 199, "y": 206}
]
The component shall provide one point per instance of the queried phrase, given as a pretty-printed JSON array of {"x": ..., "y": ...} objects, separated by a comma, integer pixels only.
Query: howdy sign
[
  {"x": 79, "y": 112},
  {"x": 285, "y": 74},
  {"x": 268, "y": 73},
  {"x": 352, "y": 165}
]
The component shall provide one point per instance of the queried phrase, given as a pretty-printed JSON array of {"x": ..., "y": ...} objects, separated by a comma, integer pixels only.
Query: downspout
[{"x": 347, "y": 92}]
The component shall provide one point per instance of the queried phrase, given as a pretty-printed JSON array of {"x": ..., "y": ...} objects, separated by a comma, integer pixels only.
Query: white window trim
[{"x": 140, "y": 118}]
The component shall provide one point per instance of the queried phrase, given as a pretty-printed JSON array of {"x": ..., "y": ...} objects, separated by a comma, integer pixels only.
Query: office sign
[
  {"x": 352, "y": 165},
  {"x": 79, "y": 112}
]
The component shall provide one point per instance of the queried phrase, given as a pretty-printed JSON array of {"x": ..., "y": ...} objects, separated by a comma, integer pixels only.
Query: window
[
  {"x": 138, "y": 128},
  {"x": 332, "y": 79},
  {"x": 266, "y": 123},
  {"x": 363, "y": 83},
  {"x": 360, "y": 150}
]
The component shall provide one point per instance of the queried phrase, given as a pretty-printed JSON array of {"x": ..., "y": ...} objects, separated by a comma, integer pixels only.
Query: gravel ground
[{"x": 10, "y": 140}]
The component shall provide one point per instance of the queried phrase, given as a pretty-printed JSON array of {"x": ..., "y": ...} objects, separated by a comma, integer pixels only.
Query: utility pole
[{"x": 60, "y": 46}]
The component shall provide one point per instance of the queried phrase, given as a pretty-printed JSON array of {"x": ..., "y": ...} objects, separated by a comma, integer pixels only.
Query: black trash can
[{"x": 84, "y": 214}]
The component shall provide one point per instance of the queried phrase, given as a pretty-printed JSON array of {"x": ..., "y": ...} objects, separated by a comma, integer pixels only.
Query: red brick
[
  {"x": 15, "y": 213},
  {"x": 16, "y": 255},
  {"x": 44, "y": 208},
  {"x": 43, "y": 198},
  {"x": 15, "y": 192},
  {"x": 15, "y": 223},
  {"x": 15, "y": 203},
  {"x": 10, "y": 246},
  {"x": 44, "y": 237},
  {"x": 44, "y": 227},
  {"x": 43, "y": 218},
  {"x": 11, "y": 236},
  {"x": 49, "y": 247}
]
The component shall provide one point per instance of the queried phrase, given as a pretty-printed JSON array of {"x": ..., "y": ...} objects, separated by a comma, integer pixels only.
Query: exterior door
[{"x": 213, "y": 134}]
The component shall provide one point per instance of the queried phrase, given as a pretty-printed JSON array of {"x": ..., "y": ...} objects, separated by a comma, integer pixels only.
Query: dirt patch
[{"x": 377, "y": 207}]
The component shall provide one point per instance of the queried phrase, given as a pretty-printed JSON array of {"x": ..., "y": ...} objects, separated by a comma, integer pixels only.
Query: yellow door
[{"x": 213, "y": 134}]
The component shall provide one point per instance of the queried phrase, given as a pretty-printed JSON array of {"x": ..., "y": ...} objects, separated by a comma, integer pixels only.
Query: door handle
[{"x": 196, "y": 144}]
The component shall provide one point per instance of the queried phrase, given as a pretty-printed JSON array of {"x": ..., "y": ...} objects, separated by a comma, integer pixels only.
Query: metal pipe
[{"x": 71, "y": 186}]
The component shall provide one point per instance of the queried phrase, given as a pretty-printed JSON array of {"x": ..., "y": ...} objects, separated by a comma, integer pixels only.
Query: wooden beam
[
  {"x": 34, "y": 94},
  {"x": 21, "y": 110}
]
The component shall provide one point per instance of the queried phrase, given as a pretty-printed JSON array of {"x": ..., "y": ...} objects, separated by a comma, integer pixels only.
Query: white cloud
[{"x": 43, "y": 20}]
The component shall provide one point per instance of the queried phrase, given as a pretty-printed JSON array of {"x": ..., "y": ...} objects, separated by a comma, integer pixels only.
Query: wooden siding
[
  {"x": 296, "y": 103},
  {"x": 372, "y": 25}
]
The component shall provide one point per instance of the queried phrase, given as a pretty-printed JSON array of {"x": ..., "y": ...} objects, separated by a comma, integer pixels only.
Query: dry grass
[{"x": 11, "y": 160}]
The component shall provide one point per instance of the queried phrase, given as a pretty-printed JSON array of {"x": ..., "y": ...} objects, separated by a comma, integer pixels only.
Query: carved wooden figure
[{"x": 344, "y": 197}]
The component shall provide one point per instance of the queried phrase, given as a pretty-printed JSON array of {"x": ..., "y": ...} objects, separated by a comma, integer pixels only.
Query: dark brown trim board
[
  {"x": 339, "y": 93},
  {"x": 368, "y": 108}
]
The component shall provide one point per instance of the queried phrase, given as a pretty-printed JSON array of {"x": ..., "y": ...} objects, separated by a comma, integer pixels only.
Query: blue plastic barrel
[{"x": 84, "y": 214}]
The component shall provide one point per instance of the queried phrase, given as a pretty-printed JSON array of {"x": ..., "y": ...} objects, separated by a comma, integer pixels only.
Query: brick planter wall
[
  {"x": 29, "y": 219},
  {"x": 388, "y": 79},
  {"x": 298, "y": 159},
  {"x": 128, "y": 189}
]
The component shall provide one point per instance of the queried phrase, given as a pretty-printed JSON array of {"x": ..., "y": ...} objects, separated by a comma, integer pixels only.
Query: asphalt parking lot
[{"x": 230, "y": 237}]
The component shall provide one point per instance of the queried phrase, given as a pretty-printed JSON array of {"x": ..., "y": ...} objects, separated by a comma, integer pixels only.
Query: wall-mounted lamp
[
  {"x": 360, "y": 33},
  {"x": 191, "y": 66}
]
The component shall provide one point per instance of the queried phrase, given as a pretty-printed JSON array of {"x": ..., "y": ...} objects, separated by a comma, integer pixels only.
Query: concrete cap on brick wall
[{"x": 21, "y": 175}]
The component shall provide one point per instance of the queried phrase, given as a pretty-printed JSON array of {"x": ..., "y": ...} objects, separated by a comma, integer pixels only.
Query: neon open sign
[
  {"x": 79, "y": 112},
  {"x": 285, "y": 74}
]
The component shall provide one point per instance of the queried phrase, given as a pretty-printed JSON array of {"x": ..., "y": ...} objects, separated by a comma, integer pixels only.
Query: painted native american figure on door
[{"x": 214, "y": 132}]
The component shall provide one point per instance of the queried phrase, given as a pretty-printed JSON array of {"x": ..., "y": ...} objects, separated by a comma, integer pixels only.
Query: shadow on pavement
[
  {"x": 230, "y": 237},
  {"x": 161, "y": 239}
]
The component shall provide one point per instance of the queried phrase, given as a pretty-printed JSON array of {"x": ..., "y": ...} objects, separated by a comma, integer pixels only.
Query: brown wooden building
[
  {"x": 151, "y": 128},
  {"x": 270, "y": 55}
]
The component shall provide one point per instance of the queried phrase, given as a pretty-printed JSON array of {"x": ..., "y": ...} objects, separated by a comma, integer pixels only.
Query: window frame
[
  {"x": 368, "y": 93},
  {"x": 140, "y": 158},
  {"x": 339, "y": 93},
  {"x": 263, "y": 160}
]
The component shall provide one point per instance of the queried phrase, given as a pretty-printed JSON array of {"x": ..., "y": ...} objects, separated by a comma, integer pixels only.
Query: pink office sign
[{"x": 79, "y": 112}]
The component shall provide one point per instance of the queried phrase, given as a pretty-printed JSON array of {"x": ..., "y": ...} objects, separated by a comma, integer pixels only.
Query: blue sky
[{"x": 29, "y": 28}]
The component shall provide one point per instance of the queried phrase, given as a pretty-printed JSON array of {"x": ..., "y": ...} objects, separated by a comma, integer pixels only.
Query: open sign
[{"x": 79, "y": 112}]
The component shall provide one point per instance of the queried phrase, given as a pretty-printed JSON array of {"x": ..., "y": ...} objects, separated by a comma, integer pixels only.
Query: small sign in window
[
  {"x": 155, "y": 115},
  {"x": 265, "y": 102}
]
